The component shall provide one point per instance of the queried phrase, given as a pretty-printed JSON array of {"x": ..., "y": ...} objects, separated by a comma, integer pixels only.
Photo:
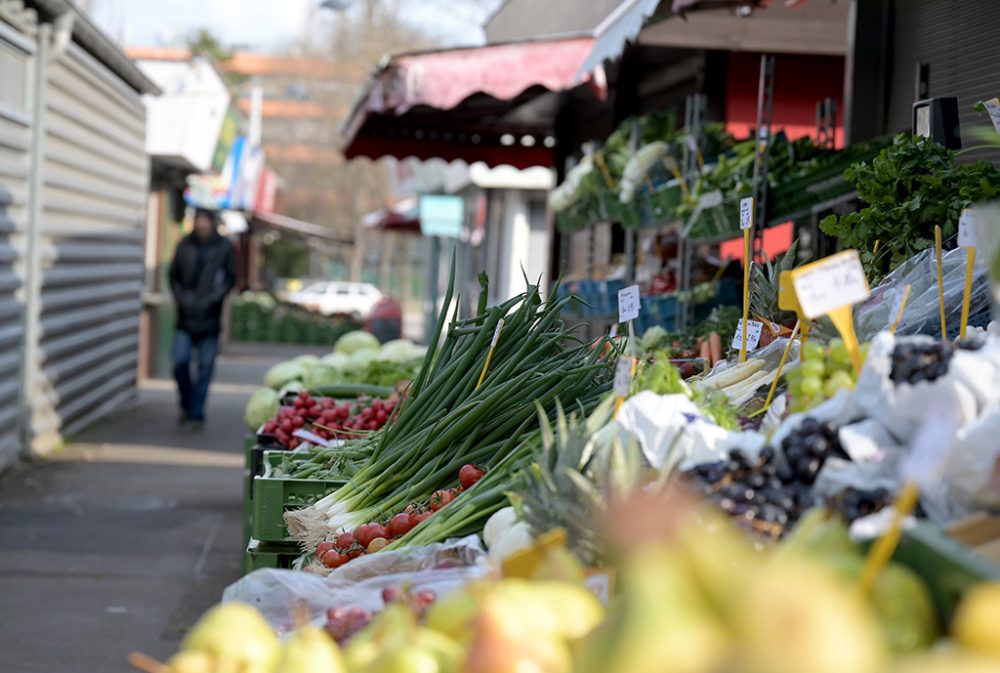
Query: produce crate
[
  {"x": 948, "y": 566},
  {"x": 273, "y": 496},
  {"x": 269, "y": 555}
]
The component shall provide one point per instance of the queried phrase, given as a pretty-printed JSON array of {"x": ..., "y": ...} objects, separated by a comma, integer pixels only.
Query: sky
[{"x": 258, "y": 24}]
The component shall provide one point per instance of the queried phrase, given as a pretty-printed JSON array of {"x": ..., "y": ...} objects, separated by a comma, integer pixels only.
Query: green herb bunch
[{"x": 909, "y": 187}]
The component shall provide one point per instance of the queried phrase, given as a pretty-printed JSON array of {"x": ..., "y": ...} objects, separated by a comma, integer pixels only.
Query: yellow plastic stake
[
  {"x": 970, "y": 261},
  {"x": 843, "y": 319},
  {"x": 489, "y": 355},
  {"x": 787, "y": 301},
  {"x": 523, "y": 563},
  {"x": 884, "y": 547},
  {"x": 781, "y": 366},
  {"x": 902, "y": 307},
  {"x": 940, "y": 274},
  {"x": 875, "y": 249},
  {"x": 746, "y": 224}
]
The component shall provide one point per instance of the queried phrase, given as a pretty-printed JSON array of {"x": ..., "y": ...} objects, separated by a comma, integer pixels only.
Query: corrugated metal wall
[
  {"x": 15, "y": 159},
  {"x": 960, "y": 43},
  {"x": 96, "y": 178}
]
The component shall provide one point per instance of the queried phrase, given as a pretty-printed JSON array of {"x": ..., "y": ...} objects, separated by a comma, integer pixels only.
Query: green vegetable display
[
  {"x": 911, "y": 186},
  {"x": 261, "y": 407}
]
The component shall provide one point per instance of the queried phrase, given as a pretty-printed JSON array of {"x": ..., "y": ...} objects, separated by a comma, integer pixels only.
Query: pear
[
  {"x": 310, "y": 650},
  {"x": 901, "y": 601},
  {"x": 405, "y": 659},
  {"x": 660, "y": 622},
  {"x": 818, "y": 534},
  {"x": 447, "y": 652},
  {"x": 191, "y": 662},
  {"x": 235, "y": 632},
  {"x": 505, "y": 642},
  {"x": 977, "y": 621},
  {"x": 392, "y": 628},
  {"x": 948, "y": 661},
  {"x": 454, "y": 614},
  {"x": 798, "y": 617},
  {"x": 558, "y": 608}
]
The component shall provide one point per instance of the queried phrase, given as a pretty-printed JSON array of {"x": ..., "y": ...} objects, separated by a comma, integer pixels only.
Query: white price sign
[
  {"x": 831, "y": 283},
  {"x": 628, "y": 303},
  {"x": 775, "y": 328},
  {"x": 993, "y": 108},
  {"x": 746, "y": 212},
  {"x": 967, "y": 229},
  {"x": 754, "y": 329},
  {"x": 623, "y": 377}
]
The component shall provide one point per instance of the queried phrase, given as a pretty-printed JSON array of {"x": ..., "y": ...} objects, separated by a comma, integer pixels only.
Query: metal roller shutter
[
  {"x": 96, "y": 174},
  {"x": 958, "y": 42},
  {"x": 15, "y": 162}
]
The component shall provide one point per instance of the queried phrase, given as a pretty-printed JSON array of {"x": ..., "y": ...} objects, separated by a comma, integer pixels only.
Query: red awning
[{"x": 495, "y": 104}]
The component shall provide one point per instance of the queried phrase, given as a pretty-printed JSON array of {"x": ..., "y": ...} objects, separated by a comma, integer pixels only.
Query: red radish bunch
[
  {"x": 342, "y": 623},
  {"x": 327, "y": 419}
]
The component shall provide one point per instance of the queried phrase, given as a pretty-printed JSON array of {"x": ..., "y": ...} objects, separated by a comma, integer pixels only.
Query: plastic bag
[
  {"x": 902, "y": 408},
  {"x": 922, "y": 314},
  {"x": 441, "y": 568},
  {"x": 671, "y": 430}
]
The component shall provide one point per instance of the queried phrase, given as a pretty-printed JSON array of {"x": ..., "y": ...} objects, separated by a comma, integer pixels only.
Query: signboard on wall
[{"x": 441, "y": 215}]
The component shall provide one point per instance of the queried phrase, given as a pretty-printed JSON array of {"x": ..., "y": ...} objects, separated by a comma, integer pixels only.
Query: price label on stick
[
  {"x": 628, "y": 303},
  {"x": 993, "y": 108},
  {"x": 623, "y": 377},
  {"x": 967, "y": 229},
  {"x": 692, "y": 144},
  {"x": 754, "y": 330},
  {"x": 746, "y": 212},
  {"x": 613, "y": 332},
  {"x": 830, "y": 283}
]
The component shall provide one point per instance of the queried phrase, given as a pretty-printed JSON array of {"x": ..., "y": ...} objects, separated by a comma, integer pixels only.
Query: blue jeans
[{"x": 193, "y": 395}]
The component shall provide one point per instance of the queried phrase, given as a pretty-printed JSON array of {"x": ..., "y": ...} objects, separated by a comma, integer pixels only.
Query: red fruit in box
[
  {"x": 324, "y": 547},
  {"x": 345, "y": 540}
]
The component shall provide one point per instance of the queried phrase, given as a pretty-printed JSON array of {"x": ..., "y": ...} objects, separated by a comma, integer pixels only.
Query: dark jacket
[{"x": 201, "y": 275}]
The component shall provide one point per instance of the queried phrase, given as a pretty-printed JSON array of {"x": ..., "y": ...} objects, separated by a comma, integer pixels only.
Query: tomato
[
  {"x": 331, "y": 559},
  {"x": 363, "y": 534},
  {"x": 355, "y": 553},
  {"x": 377, "y": 545},
  {"x": 420, "y": 518},
  {"x": 378, "y": 530},
  {"x": 469, "y": 475},
  {"x": 410, "y": 509},
  {"x": 399, "y": 525},
  {"x": 323, "y": 548},
  {"x": 345, "y": 540},
  {"x": 440, "y": 499}
]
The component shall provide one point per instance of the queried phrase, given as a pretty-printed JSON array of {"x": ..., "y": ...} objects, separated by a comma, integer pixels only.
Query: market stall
[{"x": 513, "y": 498}]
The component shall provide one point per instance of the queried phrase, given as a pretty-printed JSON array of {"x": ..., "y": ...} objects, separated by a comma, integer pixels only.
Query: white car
[{"x": 337, "y": 297}]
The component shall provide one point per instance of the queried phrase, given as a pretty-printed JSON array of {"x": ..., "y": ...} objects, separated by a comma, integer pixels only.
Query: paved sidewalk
[{"x": 120, "y": 542}]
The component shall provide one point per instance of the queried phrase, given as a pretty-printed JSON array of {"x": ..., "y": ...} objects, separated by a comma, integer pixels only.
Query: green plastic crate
[
  {"x": 269, "y": 555},
  {"x": 273, "y": 496}
]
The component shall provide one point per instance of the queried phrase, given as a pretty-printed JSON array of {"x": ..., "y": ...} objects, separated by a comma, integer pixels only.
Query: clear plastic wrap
[
  {"x": 922, "y": 313},
  {"x": 441, "y": 568}
]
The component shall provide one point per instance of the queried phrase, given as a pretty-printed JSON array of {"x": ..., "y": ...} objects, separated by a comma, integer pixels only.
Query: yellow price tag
[
  {"x": 940, "y": 275},
  {"x": 787, "y": 301}
]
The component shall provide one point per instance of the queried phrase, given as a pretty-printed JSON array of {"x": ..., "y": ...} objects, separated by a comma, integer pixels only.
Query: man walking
[{"x": 201, "y": 275}]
